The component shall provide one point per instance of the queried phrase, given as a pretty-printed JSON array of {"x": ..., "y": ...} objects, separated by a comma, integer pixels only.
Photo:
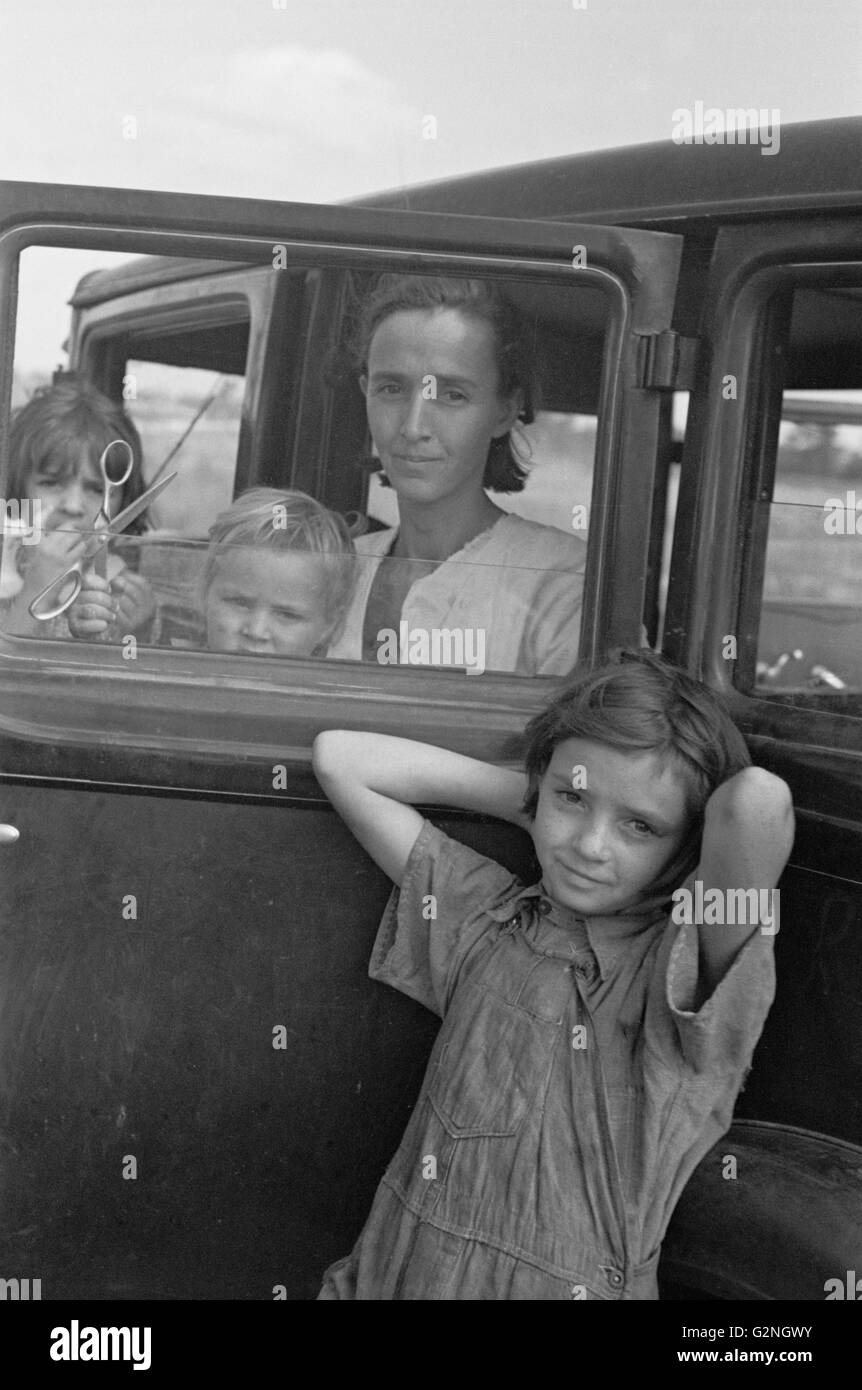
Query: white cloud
[{"x": 327, "y": 98}]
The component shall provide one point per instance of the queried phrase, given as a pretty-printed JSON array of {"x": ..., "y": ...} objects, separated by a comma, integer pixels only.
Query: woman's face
[{"x": 433, "y": 408}]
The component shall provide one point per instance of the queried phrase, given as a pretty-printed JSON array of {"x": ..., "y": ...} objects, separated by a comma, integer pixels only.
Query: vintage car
[{"x": 200, "y": 1086}]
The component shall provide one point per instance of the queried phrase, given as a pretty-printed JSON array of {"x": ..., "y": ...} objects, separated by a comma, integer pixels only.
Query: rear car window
[{"x": 809, "y": 643}]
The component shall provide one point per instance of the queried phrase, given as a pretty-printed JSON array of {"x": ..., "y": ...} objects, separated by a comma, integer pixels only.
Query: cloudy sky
[{"x": 319, "y": 100}]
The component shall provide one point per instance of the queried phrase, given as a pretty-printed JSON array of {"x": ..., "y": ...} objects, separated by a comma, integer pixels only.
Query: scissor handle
[
  {"x": 103, "y": 515},
  {"x": 130, "y": 462},
  {"x": 38, "y": 609}
]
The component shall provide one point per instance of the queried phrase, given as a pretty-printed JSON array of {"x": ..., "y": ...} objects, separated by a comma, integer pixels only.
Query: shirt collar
[{"x": 608, "y": 935}]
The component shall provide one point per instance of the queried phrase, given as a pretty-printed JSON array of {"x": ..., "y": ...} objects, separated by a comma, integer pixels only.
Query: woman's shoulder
[{"x": 524, "y": 537}]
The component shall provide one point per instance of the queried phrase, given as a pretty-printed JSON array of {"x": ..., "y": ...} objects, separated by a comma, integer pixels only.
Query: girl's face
[
  {"x": 607, "y": 824},
  {"x": 70, "y": 498},
  {"x": 267, "y": 603},
  {"x": 432, "y": 399}
]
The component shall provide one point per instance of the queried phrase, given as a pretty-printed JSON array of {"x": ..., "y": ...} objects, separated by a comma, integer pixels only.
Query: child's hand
[
  {"x": 39, "y": 566},
  {"x": 136, "y": 602},
  {"x": 94, "y": 609},
  {"x": 121, "y": 606}
]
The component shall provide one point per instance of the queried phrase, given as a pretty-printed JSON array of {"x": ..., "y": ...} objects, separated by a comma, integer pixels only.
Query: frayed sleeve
[
  {"x": 437, "y": 917},
  {"x": 719, "y": 1036}
]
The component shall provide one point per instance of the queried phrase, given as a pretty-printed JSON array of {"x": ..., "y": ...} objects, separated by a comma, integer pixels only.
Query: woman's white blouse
[{"x": 519, "y": 582}]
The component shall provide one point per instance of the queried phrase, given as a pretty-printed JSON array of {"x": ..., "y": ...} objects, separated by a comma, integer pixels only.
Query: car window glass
[
  {"x": 147, "y": 350},
  {"x": 561, "y": 448},
  {"x": 165, "y": 344},
  {"x": 286, "y": 601},
  {"x": 193, "y": 415},
  {"x": 810, "y": 638}
]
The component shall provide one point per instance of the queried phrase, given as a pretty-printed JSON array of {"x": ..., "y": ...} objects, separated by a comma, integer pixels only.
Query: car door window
[
  {"x": 811, "y": 621},
  {"x": 809, "y": 645},
  {"x": 271, "y": 311}
]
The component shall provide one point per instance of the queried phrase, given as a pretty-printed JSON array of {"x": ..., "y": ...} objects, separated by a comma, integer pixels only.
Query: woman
[{"x": 445, "y": 371}]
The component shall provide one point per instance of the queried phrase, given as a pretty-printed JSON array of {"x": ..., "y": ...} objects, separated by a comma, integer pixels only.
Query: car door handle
[{"x": 9, "y": 834}]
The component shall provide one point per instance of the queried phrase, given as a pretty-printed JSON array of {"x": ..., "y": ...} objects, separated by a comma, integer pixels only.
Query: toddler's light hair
[{"x": 270, "y": 518}]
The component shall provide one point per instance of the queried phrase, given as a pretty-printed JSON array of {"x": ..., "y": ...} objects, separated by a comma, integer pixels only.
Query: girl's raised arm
[
  {"x": 374, "y": 780},
  {"x": 747, "y": 838}
]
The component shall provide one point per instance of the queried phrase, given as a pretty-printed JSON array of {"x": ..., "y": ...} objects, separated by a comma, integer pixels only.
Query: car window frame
[
  {"x": 716, "y": 575},
  {"x": 317, "y": 694}
]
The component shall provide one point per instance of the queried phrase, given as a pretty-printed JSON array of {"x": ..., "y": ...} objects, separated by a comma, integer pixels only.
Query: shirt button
[
  {"x": 615, "y": 1278},
  {"x": 544, "y": 906}
]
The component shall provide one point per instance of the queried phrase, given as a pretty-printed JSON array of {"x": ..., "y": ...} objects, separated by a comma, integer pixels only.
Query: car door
[
  {"x": 764, "y": 604},
  {"x": 200, "y": 1087}
]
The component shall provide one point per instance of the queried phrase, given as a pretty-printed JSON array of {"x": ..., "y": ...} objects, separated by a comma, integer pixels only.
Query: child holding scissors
[
  {"x": 593, "y": 1038},
  {"x": 56, "y": 443}
]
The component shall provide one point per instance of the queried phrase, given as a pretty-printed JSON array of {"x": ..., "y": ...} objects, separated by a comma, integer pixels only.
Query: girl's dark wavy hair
[
  {"x": 637, "y": 703},
  {"x": 484, "y": 301},
  {"x": 48, "y": 431}
]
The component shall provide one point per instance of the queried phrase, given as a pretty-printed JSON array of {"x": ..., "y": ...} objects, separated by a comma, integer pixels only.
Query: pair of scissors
[
  {"x": 61, "y": 593},
  {"x": 109, "y": 487}
]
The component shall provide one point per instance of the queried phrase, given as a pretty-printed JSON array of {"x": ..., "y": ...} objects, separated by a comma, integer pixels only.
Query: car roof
[
  {"x": 145, "y": 272},
  {"x": 817, "y": 167}
]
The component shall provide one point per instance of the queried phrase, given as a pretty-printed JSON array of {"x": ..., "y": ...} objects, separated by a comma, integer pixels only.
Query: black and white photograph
[{"x": 431, "y": 668}]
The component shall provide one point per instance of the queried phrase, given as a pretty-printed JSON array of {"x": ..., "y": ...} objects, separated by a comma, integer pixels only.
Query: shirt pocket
[{"x": 493, "y": 1065}]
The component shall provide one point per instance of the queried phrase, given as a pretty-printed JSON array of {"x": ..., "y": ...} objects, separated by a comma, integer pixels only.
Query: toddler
[{"x": 591, "y": 1049}]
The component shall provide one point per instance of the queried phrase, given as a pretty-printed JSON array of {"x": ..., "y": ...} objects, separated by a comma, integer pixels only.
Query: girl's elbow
[
  {"x": 327, "y": 754},
  {"x": 777, "y": 803},
  {"x": 767, "y": 804},
  {"x": 754, "y": 792}
]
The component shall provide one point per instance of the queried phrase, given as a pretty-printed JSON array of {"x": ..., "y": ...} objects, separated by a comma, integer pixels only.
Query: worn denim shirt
[{"x": 571, "y": 1091}]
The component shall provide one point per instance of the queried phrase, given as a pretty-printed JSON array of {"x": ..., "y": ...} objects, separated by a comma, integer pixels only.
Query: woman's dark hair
[
  {"x": 47, "y": 434},
  {"x": 638, "y": 702},
  {"x": 483, "y": 301}
]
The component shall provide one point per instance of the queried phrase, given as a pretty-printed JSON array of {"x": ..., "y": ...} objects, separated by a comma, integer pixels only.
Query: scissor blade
[{"x": 128, "y": 514}]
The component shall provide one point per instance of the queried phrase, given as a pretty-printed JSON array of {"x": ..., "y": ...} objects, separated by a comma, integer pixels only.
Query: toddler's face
[
  {"x": 606, "y": 825},
  {"x": 267, "y": 603}
]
